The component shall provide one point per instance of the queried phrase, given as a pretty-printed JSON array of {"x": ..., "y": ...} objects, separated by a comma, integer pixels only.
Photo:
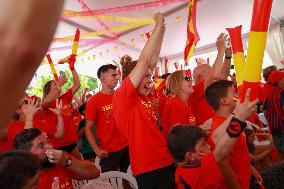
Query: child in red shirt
[
  {"x": 198, "y": 168},
  {"x": 220, "y": 96},
  {"x": 135, "y": 117}
]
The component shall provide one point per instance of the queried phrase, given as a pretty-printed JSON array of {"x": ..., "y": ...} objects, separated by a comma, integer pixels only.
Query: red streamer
[{"x": 127, "y": 8}]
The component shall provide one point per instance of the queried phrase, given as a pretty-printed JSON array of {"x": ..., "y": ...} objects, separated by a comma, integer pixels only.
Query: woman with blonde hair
[{"x": 177, "y": 110}]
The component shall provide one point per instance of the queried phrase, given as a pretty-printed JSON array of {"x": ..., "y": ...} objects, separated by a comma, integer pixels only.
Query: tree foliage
[{"x": 86, "y": 82}]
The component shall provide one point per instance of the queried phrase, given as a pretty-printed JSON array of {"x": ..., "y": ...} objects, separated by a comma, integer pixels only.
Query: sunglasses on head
[{"x": 187, "y": 78}]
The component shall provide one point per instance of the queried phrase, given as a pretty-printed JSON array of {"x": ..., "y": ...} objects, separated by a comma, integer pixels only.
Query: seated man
[
  {"x": 199, "y": 168},
  {"x": 22, "y": 164},
  {"x": 54, "y": 163}
]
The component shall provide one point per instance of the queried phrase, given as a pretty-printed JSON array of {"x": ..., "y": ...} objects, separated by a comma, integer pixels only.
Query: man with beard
[{"x": 55, "y": 163}]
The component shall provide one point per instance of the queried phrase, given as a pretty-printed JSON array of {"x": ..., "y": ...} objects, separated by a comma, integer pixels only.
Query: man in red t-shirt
[
  {"x": 204, "y": 75},
  {"x": 220, "y": 96},
  {"x": 136, "y": 119},
  {"x": 113, "y": 147},
  {"x": 57, "y": 167}
]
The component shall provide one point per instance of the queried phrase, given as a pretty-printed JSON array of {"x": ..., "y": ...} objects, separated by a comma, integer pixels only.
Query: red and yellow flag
[{"x": 192, "y": 34}]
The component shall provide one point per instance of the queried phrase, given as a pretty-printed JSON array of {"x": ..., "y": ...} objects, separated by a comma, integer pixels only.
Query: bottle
[{"x": 55, "y": 183}]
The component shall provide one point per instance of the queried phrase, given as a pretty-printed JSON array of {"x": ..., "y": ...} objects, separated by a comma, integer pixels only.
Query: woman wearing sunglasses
[{"x": 177, "y": 110}]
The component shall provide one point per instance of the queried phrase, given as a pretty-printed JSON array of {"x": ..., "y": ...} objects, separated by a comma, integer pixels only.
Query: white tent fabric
[
  {"x": 275, "y": 46},
  {"x": 213, "y": 17}
]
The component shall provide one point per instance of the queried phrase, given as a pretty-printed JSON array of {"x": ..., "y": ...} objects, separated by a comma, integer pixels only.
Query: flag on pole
[{"x": 192, "y": 34}]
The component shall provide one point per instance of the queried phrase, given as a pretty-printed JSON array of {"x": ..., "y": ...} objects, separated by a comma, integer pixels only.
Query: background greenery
[{"x": 86, "y": 82}]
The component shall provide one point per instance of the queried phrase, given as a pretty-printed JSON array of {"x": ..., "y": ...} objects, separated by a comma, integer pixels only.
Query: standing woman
[
  {"x": 52, "y": 92},
  {"x": 135, "y": 117}
]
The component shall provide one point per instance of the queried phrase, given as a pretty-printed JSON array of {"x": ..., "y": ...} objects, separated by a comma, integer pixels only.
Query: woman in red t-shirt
[
  {"x": 177, "y": 110},
  {"x": 52, "y": 92},
  {"x": 27, "y": 118}
]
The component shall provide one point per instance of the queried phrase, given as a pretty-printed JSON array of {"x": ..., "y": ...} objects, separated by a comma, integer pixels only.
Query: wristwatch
[{"x": 68, "y": 162}]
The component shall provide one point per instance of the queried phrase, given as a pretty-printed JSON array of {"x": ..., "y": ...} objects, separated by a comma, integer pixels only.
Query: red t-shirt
[
  {"x": 135, "y": 118},
  {"x": 18, "y": 126},
  {"x": 99, "y": 110},
  {"x": 204, "y": 174},
  {"x": 240, "y": 159},
  {"x": 176, "y": 112},
  {"x": 64, "y": 175},
  {"x": 267, "y": 89},
  {"x": 4, "y": 146},
  {"x": 200, "y": 108},
  {"x": 70, "y": 135}
]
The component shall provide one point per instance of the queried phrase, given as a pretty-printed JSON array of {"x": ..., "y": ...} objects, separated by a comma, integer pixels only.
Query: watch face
[{"x": 69, "y": 162}]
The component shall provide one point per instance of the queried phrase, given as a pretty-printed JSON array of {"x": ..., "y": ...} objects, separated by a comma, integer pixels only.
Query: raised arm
[
  {"x": 76, "y": 82},
  {"x": 227, "y": 64},
  {"x": 23, "y": 43},
  {"x": 60, "y": 124},
  {"x": 217, "y": 66},
  {"x": 150, "y": 53},
  {"x": 83, "y": 168}
]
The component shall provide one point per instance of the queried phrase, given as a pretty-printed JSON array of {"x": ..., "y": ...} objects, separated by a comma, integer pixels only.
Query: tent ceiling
[{"x": 213, "y": 16}]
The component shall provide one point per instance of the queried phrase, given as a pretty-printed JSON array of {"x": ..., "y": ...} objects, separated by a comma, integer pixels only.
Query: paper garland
[{"x": 69, "y": 13}]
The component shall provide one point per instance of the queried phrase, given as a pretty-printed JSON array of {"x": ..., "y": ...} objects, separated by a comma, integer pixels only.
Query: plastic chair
[
  {"x": 96, "y": 184},
  {"x": 78, "y": 184},
  {"x": 115, "y": 179}
]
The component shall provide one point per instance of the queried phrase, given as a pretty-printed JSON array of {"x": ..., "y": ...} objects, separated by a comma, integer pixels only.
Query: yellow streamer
[
  {"x": 102, "y": 32},
  {"x": 253, "y": 66}
]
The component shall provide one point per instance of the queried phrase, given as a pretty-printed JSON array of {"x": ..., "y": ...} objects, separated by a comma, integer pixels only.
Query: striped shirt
[{"x": 273, "y": 106}]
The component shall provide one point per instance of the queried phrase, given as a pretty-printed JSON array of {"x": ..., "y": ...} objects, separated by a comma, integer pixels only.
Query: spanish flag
[{"x": 192, "y": 35}]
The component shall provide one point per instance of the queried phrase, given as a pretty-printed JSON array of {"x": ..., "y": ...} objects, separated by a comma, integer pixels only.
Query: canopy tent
[{"x": 213, "y": 17}]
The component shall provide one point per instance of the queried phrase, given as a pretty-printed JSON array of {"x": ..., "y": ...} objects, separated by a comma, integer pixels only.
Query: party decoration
[
  {"x": 133, "y": 42},
  {"x": 102, "y": 32},
  {"x": 238, "y": 52},
  {"x": 192, "y": 34},
  {"x": 178, "y": 19},
  {"x": 72, "y": 58},
  {"x": 68, "y": 13},
  {"x": 256, "y": 46},
  {"x": 52, "y": 67}
]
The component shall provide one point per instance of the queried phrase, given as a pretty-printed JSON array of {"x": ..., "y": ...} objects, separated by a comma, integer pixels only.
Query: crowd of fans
[{"x": 192, "y": 131}]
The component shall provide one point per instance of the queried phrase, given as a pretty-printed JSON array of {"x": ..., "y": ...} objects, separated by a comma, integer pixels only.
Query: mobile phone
[{"x": 228, "y": 44}]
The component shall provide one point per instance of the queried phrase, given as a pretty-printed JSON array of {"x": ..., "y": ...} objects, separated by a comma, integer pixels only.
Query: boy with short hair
[{"x": 188, "y": 144}]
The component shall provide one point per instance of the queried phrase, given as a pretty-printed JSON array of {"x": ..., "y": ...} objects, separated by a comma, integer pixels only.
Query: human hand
[
  {"x": 57, "y": 109},
  {"x": 220, "y": 43},
  {"x": 159, "y": 19},
  {"x": 31, "y": 108},
  {"x": 247, "y": 108},
  {"x": 56, "y": 156},
  {"x": 102, "y": 154},
  {"x": 62, "y": 79}
]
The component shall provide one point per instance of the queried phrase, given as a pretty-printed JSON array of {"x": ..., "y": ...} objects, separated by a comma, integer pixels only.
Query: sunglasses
[{"x": 187, "y": 78}]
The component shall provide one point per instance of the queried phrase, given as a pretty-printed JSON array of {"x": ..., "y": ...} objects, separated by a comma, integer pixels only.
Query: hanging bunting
[
  {"x": 69, "y": 13},
  {"x": 142, "y": 36},
  {"x": 133, "y": 42},
  {"x": 178, "y": 19}
]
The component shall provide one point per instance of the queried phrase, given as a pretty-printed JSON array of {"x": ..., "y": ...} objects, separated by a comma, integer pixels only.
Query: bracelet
[
  {"x": 29, "y": 120},
  {"x": 235, "y": 127},
  {"x": 228, "y": 57}
]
